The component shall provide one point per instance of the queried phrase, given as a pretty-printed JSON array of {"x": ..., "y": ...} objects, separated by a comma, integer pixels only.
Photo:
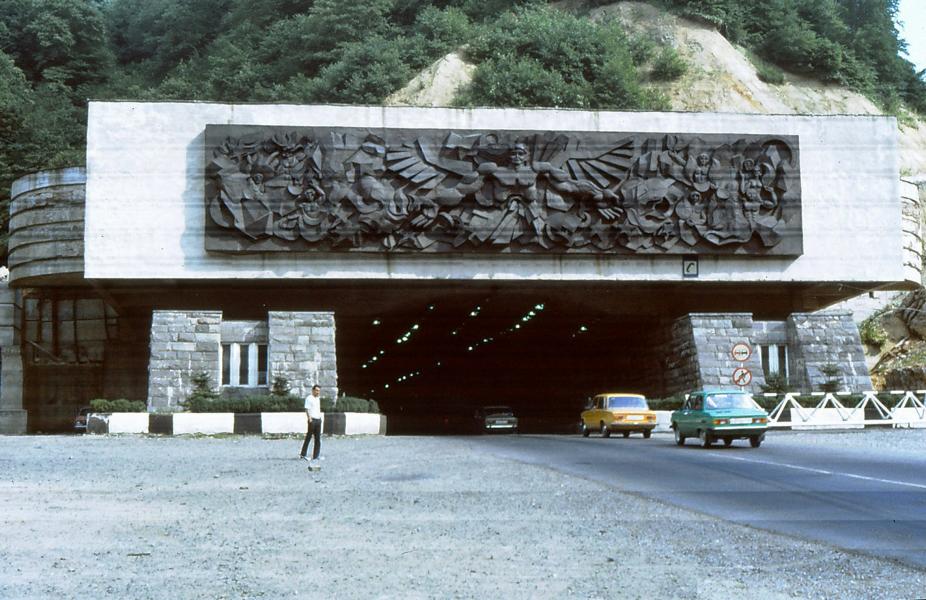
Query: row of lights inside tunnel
[{"x": 474, "y": 313}]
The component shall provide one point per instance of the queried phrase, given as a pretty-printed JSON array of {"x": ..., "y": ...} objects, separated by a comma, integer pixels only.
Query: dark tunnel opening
[{"x": 430, "y": 366}]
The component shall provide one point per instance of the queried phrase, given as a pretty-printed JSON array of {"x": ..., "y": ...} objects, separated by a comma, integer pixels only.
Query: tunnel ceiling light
[
  {"x": 538, "y": 307},
  {"x": 415, "y": 327},
  {"x": 583, "y": 328},
  {"x": 376, "y": 321},
  {"x": 430, "y": 307},
  {"x": 386, "y": 386}
]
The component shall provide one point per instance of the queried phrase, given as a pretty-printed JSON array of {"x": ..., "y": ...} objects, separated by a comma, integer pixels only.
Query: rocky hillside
[{"x": 721, "y": 77}]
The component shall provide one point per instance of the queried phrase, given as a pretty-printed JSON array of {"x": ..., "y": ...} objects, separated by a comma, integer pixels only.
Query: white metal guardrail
[{"x": 831, "y": 412}]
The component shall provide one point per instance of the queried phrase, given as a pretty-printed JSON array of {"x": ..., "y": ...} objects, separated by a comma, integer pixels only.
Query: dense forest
[{"x": 55, "y": 54}]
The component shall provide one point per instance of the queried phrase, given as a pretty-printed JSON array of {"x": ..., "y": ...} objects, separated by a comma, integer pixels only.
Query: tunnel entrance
[{"x": 430, "y": 366}]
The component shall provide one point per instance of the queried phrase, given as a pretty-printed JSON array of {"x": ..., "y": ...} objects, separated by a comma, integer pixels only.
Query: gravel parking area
[{"x": 386, "y": 517}]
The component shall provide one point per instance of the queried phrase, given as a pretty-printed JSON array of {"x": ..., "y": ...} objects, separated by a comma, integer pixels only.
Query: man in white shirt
[{"x": 313, "y": 412}]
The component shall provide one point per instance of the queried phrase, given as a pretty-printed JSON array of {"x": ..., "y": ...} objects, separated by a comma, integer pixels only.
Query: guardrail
[{"x": 830, "y": 412}]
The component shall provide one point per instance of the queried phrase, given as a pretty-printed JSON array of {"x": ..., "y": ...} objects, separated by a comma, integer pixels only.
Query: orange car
[{"x": 617, "y": 411}]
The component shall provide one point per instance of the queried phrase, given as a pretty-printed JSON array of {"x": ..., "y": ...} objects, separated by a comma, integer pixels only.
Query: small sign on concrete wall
[{"x": 690, "y": 266}]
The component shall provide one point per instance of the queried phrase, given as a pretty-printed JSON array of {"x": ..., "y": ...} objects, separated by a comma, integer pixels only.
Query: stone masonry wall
[
  {"x": 12, "y": 414},
  {"x": 714, "y": 335},
  {"x": 818, "y": 339},
  {"x": 681, "y": 359},
  {"x": 182, "y": 343},
  {"x": 302, "y": 349}
]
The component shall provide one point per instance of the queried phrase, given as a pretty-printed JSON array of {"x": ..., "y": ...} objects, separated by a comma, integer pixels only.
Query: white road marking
[{"x": 822, "y": 471}]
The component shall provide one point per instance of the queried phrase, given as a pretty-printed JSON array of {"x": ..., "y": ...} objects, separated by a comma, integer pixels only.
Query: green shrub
[
  {"x": 350, "y": 404},
  {"x": 671, "y": 403},
  {"x": 541, "y": 56},
  {"x": 669, "y": 65},
  {"x": 765, "y": 70},
  {"x": 832, "y": 373},
  {"x": 250, "y": 404},
  {"x": 871, "y": 331},
  {"x": 776, "y": 383},
  {"x": 202, "y": 395},
  {"x": 102, "y": 405}
]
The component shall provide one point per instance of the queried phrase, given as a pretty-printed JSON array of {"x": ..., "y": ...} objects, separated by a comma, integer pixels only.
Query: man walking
[{"x": 313, "y": 412}]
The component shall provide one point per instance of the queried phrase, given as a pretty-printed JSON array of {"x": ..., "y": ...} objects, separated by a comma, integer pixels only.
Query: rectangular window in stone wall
[
  {"x": 775, "y": 359},
  {"x": 243, "y": 365}
]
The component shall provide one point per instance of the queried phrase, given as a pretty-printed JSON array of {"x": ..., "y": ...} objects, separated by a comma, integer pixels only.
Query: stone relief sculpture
[{"x": 343, "y": 189}]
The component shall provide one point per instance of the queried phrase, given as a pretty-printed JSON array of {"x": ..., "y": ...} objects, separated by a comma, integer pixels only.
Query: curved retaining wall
[{"x": 47, "y": 226}]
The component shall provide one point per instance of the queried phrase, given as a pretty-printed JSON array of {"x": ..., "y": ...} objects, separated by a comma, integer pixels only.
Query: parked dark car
[
  {"x": 495, "y": 419},
  {"x": 80, "y": 421}
]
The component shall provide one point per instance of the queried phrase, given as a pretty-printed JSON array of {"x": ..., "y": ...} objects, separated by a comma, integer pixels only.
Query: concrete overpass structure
[{"x": 441, "y": 258}]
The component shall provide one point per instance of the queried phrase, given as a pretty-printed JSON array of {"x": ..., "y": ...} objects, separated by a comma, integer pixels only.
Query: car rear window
[
  {"x": 627, "y": 402},
  {"x": 730, "y": 401},
  {"x": 497, "y": 410}
]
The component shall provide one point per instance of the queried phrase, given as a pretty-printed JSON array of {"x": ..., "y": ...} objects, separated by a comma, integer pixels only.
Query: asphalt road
[{"x": 850, "y": 496}]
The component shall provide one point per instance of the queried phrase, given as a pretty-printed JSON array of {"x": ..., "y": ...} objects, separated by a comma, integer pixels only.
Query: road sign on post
[
  {"x": 742, "y": 376},
  {"x": 741, "y": 351}
]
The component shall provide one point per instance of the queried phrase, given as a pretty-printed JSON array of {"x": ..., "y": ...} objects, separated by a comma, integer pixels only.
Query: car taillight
[
  {"x": 721, "y": 421},
  {"x": 760, "y": 420}
]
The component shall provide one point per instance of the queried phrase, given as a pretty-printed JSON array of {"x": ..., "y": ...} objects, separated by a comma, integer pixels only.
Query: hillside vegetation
[{"x": 54, "y": 54}]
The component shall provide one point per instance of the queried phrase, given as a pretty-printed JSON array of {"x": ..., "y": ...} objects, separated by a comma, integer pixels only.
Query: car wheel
[
  {"x": 605, "y": 432},
  {"x": 705, "y": 438},
  {"x": 755, "y": 441},
  {"x": 727, "y": 442},
  {"x": 679, "y": 438},
  {"x": 626, "y": 434},
  {"x": 583, "y": 429},
  {"x": 646, "y": 433}
]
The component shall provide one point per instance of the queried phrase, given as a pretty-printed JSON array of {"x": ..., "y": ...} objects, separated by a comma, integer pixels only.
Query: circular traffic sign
[
  {"x": 741, "y": 351},
  {"x": 742, "y": 376}
]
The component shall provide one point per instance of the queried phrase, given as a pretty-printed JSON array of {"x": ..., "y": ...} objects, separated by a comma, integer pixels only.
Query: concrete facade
[
  {"x": 122, "y": 300},
  {"x": 152, "y": 196}
]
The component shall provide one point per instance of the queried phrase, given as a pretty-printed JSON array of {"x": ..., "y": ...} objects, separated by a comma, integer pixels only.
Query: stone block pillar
[
  {"x": 819, "y": 339},
  {"x": 699, "y": 354},
  {"x": 12, "y": 415},
  {"x": 182, "y": 344},
  {"x": 302, "y": 349}
]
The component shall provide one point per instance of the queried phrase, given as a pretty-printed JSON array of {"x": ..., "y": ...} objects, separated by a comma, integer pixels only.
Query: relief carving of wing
[
  {"x": 423, "y": 167},
  {"x": 603, "y": 169}
]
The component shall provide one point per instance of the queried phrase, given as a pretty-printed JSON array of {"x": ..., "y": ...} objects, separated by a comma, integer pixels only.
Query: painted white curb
[
  {"x": 204, "y": 423},
  {"x": 291, "y": 422}
]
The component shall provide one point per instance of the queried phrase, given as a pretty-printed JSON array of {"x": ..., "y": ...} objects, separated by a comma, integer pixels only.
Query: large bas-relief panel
[{"x": 336, "y": 189}]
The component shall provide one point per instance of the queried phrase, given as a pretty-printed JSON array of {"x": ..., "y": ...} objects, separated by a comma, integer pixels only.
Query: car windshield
[
  {"x": 627, "y": 402},
  {"x": 497, "y": 410},
  {"x": 730, "y": 401}
]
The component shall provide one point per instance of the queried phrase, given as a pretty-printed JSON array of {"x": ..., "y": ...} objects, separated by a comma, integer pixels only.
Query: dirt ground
[{"x": 386, "y": 517}]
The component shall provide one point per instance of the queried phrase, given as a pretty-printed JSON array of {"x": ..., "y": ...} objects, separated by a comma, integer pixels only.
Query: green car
[{"x": 720, "y": 415}]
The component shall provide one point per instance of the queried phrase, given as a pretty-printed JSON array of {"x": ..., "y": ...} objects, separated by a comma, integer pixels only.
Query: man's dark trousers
[{"x": 315, "y": 429}]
